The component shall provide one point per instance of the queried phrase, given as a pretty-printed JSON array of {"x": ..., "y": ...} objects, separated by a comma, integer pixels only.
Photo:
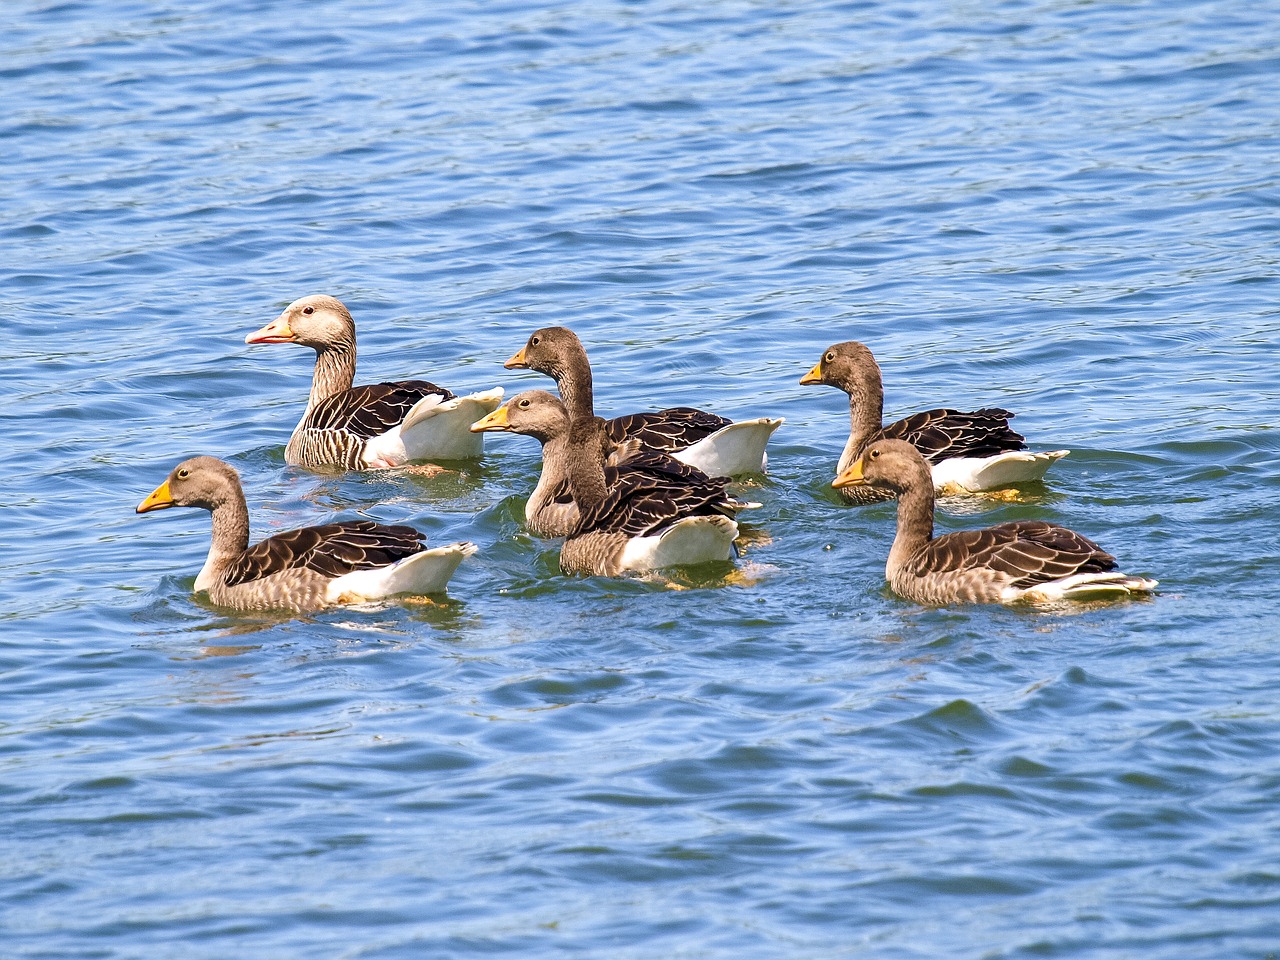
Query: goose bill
[
  {"x": 814, "y": 375},
  {"x": 852, "y": 477},
  {"x": 277, "y": 331},
  {"x": 518, "y": 361},
  {"x": 157, "y": 499},
  {"x": 494, "y": 421}
]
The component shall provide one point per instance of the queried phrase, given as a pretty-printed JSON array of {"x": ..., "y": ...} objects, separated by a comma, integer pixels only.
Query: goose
[
  {"x": 968, "y": 452},
  {"x": 373, "y": 426},
  {"x": 715, "y": 445},
  {"x": 306, "y": 569},
  {"x": 1024, "y": 560},
  {"x": 643, "y": 513}
]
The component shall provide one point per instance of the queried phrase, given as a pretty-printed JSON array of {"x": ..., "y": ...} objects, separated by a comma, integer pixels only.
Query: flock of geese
[{"x": 632, "y": 494}]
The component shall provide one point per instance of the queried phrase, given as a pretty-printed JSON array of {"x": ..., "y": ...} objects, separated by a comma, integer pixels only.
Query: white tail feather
[
  {"x": 436, "y": 430},
  {"x": 1087, "y": 586},
  {"x": 737, "y": 448},
  {"x": 688, "y": 541},
  {"x": 974, "y": 474},
  {"x": 425, "y": 572}
]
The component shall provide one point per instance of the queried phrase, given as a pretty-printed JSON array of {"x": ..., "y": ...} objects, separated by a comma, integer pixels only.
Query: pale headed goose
[
  {"x": 1028, "y": 560},
  {"x": 968, "y": 452},
  {"x": 378, "y": 425},
  {"x": 301, "y": 570}
]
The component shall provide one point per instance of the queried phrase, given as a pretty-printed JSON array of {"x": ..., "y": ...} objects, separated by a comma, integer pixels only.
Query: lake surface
[{"x": 1066, "y": 208}]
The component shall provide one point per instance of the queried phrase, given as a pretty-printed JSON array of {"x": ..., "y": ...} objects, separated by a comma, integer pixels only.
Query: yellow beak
[
  {"x": 814, "y": 375},
  {"x": 277, "y": 331},
  {"x": 517, "y": 362},
  {"x": 494, "y": 421},
  {"x": 852, "y": 477},
  {"x": 158, "y": 499}
]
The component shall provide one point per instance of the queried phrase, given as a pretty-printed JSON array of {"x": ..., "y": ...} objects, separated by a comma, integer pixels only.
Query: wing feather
[
  {"x": 373, "y": 409},
  {"x": 1028, "y": 552},
  {"x": 332, "y": 550},
  {"x": 650, "y": 491},
  {"x": 945, "y": 433},
  {"x": 668, "y": 430}
]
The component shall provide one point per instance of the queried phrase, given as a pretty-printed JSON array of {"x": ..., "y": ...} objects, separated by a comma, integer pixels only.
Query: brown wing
[
  {"x": 667, "y": 430},
  {"x": 651, "y": 491},
  {"x": 944, "y": 433},
  {"x": 1029, "y": 551},
  {"x": 332, "y": 550},
  {"x": 373, "y": 409}
]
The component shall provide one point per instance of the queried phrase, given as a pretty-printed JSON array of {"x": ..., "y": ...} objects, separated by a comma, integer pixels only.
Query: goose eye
[
  {"x": 308, "y": 310},
  {"x": 534, "y": 341},
  {"x": 184, "y": 473},
  {"x": 875, "y": 454},
  {"x": 831, "y": 355},
  {"x": 524, "y": 403}
]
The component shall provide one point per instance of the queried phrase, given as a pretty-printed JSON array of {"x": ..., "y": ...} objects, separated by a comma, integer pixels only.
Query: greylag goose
[
  {"x": 716, "y": 446},
  {"x": 378, "y": 425},
  {"x": 643, "y": 513},
  {"x": 968, "y": 451},
  {"x": 1029, "y": 560},
  {"x": 305, "y": 569}
]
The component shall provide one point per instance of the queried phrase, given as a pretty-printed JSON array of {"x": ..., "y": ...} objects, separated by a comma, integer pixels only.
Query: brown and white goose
[
  {"x": 1029, "y": 560},
  {"x": 968, "y": 452},
  {"x": 301, "y": 570},
  {"x": 715, "y": 445},
  {"x": 378, "y": 425},
  {"x": 643, "y": 513}
]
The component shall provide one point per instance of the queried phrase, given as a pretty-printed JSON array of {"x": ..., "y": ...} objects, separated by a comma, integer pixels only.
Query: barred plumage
[
  {"x": 667, "y": 430},
  {"x": 377, "y": 425},
  {"x": 624, "y": 514},
  {"x": 331, "y": 550}
]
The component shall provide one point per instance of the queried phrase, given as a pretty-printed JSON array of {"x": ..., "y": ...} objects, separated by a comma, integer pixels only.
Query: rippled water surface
[{"x": 1062, "y": 207}]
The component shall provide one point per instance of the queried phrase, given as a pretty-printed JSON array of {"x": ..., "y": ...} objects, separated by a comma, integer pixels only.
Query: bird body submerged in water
[
  {"x": 1028, "y": 560},
  {"x": 305, "y": 569},
  {"x": 968, "y": 452},
  {"x": 371, "y": 426},
  {"x": 642, "y": 512}
]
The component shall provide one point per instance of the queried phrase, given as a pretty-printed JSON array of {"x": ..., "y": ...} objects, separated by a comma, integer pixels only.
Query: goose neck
[
  {"x": 230, "y": 539},
  {"x": 574, "y": 380},
  {"x": 915, "y": 522},
  {"x": 335, "y": 370}
]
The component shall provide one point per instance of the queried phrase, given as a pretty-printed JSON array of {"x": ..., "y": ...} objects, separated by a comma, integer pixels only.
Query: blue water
[{"x": 1066, "y": 208}]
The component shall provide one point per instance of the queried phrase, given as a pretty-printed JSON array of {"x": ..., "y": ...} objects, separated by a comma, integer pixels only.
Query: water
[{"x": 1066, "y": 208}]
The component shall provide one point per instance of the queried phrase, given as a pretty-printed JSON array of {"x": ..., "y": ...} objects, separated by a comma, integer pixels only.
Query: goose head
[
  {"x": 555, "y": 351},
  {"x": 534, "y": 413},
  {"x": 893, "y": 465},
  {"x": 850, "y": 367},
  {"x": 318, "y": 321},
  {"x": 204, "y": 482}
]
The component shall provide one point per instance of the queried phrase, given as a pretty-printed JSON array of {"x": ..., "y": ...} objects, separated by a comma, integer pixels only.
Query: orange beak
[
  {"x": 517, "y": 362},
  {"x": 494, "y": 421},
  {"x": 277, "y": 331},
  {"x": 157, "y": 499},
  {"x": 852, "y": 477},
  {"x": 814, "y": 375}
]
